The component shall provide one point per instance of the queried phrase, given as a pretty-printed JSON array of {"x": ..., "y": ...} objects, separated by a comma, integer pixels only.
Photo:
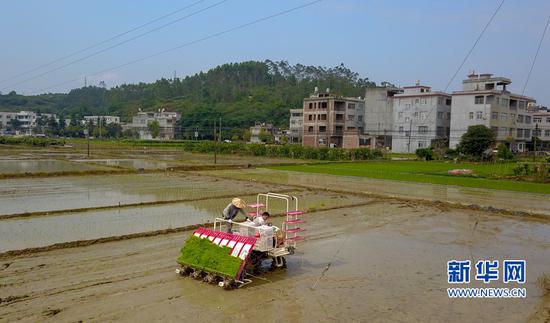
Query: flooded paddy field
[
  {"x": 508, "y": 200},
  {"x": 387, "y": 263},
  {"x": 46, "y": 230},
  {"x": 23, "y": 195},
  {"x": 21, "y": 166}
]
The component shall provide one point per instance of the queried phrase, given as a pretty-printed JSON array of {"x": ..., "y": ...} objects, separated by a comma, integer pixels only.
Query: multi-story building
[
  {"x": 27, "y": 121},
  {"x": 541, "y": 129},
  {"x": 258, "y": 129},
  {"x": 485, "y": 100},
  {"x": 379, "y": 113},
  {"x": 296, "y": 127},
  {"x": 327, "y": 117},
  {"x": 105, "y": 120},
  {"x": 420, "y": 117},
  {"x": 167, "y": 124}
]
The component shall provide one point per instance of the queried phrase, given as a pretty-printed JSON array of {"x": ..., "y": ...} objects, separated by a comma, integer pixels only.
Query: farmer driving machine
[{"x": 232, "y": 252}]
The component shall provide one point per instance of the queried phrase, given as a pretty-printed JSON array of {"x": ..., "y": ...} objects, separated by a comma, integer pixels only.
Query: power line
[
  {"x": 280, "y": 13},
  {"x": 115, "y": 45},
  {"x": 101, "y": 42},
  {"x": 471, "y": 50},
  {"x": 536, "y": 54},
  {"x": 473, "y": 46}
]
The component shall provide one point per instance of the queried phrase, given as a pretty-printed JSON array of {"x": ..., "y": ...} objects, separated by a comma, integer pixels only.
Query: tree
[
  {"x": 504, "y": 153},
  {"x": 425, "y": 153},
  {"x": 154, "y": 128},
  {"x": 15, "y": 124},
  {"x": 265, "y": 136},
  {"x": 476, "y": 140}
]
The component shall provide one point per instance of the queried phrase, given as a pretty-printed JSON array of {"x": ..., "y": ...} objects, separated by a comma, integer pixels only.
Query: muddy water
[
  {"x": 44, "y": 166},
  {"x": 75, "y": 192},
  {"x": 536, "y": 203},
  {"x": 126, "y": 163},
  {"x": 45, "y": 230},
  {"x": 388, "y": 264}
]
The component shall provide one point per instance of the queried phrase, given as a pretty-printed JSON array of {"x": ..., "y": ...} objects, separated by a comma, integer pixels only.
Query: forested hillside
[{"x": 240, "y": 93}]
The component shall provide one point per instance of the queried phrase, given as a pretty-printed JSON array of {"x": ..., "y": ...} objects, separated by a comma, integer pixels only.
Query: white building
[
  {"x": 296, "y": 127},
  {"x": 420, "y": 117},
  {"x": 27, "y": 121},
  {"x": 105, "y": 120},
  {"x": 167, "y": 122},
  {"x": 379, "y": 113},
  {"x": 259, "y": 128},
  {"x": 541, "y": 129},
  {"x": 484, "y": 100}
]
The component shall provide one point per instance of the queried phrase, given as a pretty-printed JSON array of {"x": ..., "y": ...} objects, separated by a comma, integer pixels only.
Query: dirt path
[{"x": 391, "y": 268}]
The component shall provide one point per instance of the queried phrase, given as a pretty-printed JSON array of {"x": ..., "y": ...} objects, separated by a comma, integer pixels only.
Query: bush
[
  {"x": 425, "y": 153},
  {"x": 504, "y": 153},
  {"x": 30, "y": 141}
]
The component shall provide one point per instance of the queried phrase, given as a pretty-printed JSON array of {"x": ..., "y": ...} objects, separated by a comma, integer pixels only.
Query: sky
[{"x": 396, "y": 41}]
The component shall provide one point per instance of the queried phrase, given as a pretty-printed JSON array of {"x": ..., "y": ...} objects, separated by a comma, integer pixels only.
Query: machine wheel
[
  {"x": 254, "y": 263},
  {"x": 274, "y": 263}
]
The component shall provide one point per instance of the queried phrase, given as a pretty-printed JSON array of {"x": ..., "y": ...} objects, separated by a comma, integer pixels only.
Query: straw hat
[{"x": 238, "y": 203}]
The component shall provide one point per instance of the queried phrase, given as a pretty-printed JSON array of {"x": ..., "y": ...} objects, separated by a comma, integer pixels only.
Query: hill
[{"x": 240, "y": 93}]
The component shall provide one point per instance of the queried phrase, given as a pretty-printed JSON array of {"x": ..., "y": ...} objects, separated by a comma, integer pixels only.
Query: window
[
  {"x": 401, "y": 129},
  {"x": 521, "y": 104},
  {"x": 513, "y": 117},
  {"x": 440, "y": 100},
  {"x": 448, "y": 102},
  {"x": 448, "y": 116},
  {"x": 547, "y": 133},
  {"x": 471, "y": 116},
  {"x": 359, "y": 118},
  {"x": 479, "y": 115},
  {"x": 520, "y": 118},
  {"x": 339, "y": 117},
  {"x": 479, "y": 99},
  {"x": 339, "y": 129},
  {"x": 351, "y": 106},
  {"x": 416, "y": 101},
  {"x": 416, "y": 114},
  {"x": 537, "y": 132},
  {"x": 494, "y": 115},
  {"x": 440, "y": 132},
  {"x": 310, "y": 105},
  {"x": 322, "y": 141},
  {"x": 310, "y": 117},
  {"x": 494, "y": 130},
  {"x": 310, "y": 129},
  {"x": 548, "y": 120},
  {"x": 408, "y": 105},
  {"x": 400, "y": 114},
  {"x": 528, "y": 119},
  {"x": 490, "y": 99},
  {"x": 407, "y": 119},
  {"x": 407, "y": 133},
  {"x": 322, "y": 117},
  {"x": 422, "y": 144},
  {"x": 423, "y": 101},
  {"x": 520, "y": 133},
  {"x": 322, "y": 129},
  {"x": 440, "y": 115},
  {"x": 323, "y": 105},
  {"x": 527, "y": 133},
  {"x": 423, "y": 129},
  {"x": 351, "y": 117},
  {"x": 504, "y": 103},
  {"x": 537, "y": 119},
  {"x": 504, "y": 116}
]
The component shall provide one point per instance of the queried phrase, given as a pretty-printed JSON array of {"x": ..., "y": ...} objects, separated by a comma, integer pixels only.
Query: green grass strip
[
  {"x": 427, "y": 172},
  {"x": 203, "y": 254}
]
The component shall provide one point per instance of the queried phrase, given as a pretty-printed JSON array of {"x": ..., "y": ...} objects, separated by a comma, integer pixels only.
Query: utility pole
[
  {"x": 215, "y": 144},
  {"x": 535, "y": 142},
  {"x": 88, "y": 138},
  {"x": 410, "y": 133}
]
